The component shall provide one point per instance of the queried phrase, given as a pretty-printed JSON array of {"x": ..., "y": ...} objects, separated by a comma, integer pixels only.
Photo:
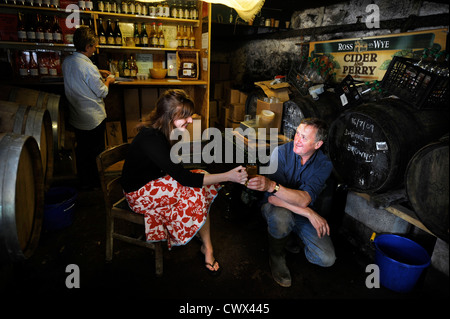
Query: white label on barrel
[
  {"x": 344, "y": 100},
  {"x": 382, "y": 146}
]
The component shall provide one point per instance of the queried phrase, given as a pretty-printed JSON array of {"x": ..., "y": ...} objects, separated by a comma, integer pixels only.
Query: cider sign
[{"x": 367, "y": 59}]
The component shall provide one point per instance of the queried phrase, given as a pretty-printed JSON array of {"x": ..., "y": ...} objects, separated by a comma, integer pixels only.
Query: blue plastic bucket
[
  {"x": 58, "y": 207},
  {"x": 401, "y": 262}
]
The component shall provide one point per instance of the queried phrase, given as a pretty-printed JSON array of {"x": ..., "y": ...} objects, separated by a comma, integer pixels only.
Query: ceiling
[{"x": 297, "y": 5}]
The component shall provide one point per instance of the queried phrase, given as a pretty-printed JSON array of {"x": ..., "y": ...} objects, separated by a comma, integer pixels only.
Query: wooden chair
[{"x": 109, "y": 165}]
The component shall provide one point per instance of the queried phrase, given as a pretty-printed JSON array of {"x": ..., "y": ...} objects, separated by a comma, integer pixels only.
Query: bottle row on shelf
[
  {"x": 153, "y": 38},
  {"x": 35, "y": 64},
  {"x": 34, "y": 3},
  {"x": 165, "y": 9},
  {"x": 37, "y": 28}
]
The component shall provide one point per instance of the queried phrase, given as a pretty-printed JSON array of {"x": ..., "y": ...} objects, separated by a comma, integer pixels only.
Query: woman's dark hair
[
  {"x": 82, "y": 37},
  {"x": 172, "y": 105}
]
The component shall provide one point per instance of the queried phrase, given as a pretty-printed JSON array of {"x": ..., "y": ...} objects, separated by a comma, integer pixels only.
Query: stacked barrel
[
  {"x": 386, "y": 144},
  {"x": 29, "y": 124}
]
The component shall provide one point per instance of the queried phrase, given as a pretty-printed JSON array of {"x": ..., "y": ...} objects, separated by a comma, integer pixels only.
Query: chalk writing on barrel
[
  {"x": 356, "y": 136},
  {"x": 355, "y": 151},
  {"x": 362, "y": 124}
]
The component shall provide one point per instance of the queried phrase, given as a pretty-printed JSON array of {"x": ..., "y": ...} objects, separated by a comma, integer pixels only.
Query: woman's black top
[{"x": 149, "y": 158}]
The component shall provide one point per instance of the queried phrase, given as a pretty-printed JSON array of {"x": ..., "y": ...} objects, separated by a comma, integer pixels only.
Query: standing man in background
[{"x": 86, "y": 86}]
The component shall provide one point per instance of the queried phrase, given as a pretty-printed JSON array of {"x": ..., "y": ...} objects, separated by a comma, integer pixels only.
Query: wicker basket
[{"x": 187, "y": 65}]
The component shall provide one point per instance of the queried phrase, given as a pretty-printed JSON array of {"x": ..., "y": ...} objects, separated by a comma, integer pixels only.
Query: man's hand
[
  {"x": 261, "y": 183},
  {"x": 104, "y": 73},
  {"x": 319, "y": 223}
]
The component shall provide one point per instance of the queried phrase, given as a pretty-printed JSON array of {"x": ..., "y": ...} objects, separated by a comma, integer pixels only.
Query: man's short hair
[
  {"x": 82, "y": 37},
  {"x": 321, "y": 125}
]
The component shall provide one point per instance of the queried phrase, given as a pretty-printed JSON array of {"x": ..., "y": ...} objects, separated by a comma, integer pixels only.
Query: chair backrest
[{"x": 110, "y": 170}]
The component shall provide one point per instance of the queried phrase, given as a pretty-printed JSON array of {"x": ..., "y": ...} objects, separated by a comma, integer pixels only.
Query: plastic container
[
  {"x": 58, "y": 207},
  {"x": 401, "y": 261}
]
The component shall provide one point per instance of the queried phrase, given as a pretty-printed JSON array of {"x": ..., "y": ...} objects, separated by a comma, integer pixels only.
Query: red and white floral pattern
[{"x": 172, "y": 212}]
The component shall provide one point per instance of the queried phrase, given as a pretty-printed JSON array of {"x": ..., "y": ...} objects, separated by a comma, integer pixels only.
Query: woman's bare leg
[{"x": 207, "y": 248}]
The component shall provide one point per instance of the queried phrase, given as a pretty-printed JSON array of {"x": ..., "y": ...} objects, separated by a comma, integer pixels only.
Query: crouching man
[{"x": 301, "y": 174}]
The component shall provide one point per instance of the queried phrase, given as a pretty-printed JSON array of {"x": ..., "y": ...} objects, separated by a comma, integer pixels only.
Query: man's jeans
[{"x": 281, "y": 222}]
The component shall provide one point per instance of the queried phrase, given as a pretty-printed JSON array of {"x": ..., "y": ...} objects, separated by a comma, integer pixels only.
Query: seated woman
[{"x": 175, "y": 201}]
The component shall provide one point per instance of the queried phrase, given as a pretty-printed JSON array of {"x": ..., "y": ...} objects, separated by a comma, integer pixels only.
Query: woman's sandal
[{"x": 213, "y": 273}]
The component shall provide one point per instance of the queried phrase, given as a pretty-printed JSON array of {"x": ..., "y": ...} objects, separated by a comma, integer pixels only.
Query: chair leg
[
  {"x": 158, "y": 259},
  {"x": 109, "y": 238}
]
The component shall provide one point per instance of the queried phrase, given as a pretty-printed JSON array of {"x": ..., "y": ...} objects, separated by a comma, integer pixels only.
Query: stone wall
[{"x": 262, "y": 57}]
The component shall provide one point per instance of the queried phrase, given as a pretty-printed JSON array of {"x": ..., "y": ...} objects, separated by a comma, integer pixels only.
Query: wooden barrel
[
  {"x": 21, "y": 196},
  {"x": 41, "y": 100},
  {"x": 28, "y": 120},
  {"x": 427, "y": 186},
  {"x": 327, "y": 108},
  {"x": 370, "y": 145}
]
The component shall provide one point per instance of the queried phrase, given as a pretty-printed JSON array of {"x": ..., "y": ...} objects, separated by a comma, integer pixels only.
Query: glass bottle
[
  {"x": 136, "y": 35},
  {"x": 179, "y": 39},
  {"x": 31, "y": 29},
  {"x": 101, "y": 32},
  {"x": 100, "y": 6},
  {"x": 180, "y": 10},
  {"x": 126, "y": 68},
  {"x": 173, "y": 10},
  {"x": 43, "y": 65},
  {"x": 33, "y": 66},
  {"x": 48, "y": 32},
  {"x": 54, "y": 4},
  {"x": 186, "y": 11},
  {"x": 144, "y": 35},
  {"x": 57, "y": 32},
  {"x": 21, "y": 29},
  {"x": 161, "y": 38},
  {"x": 191, "y": 38},
  {"x": 138, "y": 8},
  {"x": 133, "y": 67},
  {"x": 155, "y": 38},
  {"x": 82, "y": 5},
  {"x": 185, "y": 37},
  {"x": 110, "y": 40},
  {"x": 117, "y": 34},
  {"x": 39, "y": 29},
  {"x": 52, "y": 70},
  {"x": 89, "y": 5},
  {"x": 124, "y": 7},
  {"x": 166, "y": 10},
  {"x": 131, "y": 7},
  {"x": 23, "y": 65}
]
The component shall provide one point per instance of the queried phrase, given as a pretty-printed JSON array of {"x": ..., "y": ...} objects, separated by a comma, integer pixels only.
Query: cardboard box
[
  {"x": 237, "y": 112},
  {"x": 234, "y": 96},
  {"x": 280, "y": 90},
  {"x": 277, "y": 108},
  {"x": 242, "y": 97}
]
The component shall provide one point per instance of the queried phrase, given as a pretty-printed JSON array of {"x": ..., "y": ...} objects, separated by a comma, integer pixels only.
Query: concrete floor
[{"x": 239, "y": 239}]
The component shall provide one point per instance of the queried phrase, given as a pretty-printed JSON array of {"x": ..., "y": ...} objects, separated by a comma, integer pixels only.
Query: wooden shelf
[
  {"x": 36, "y": 46},
  {"x": 162, "y": 82}
]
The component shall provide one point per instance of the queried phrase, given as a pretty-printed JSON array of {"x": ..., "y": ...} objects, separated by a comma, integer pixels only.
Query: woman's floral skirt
[{"x": 172, "y": 212}]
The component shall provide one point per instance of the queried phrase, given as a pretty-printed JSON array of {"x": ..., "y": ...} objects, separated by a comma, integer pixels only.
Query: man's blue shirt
[{"x": 310, "y": 177}]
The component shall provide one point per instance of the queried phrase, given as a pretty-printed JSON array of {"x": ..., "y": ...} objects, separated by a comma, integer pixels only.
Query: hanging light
[{"x": 246, "y": 9}]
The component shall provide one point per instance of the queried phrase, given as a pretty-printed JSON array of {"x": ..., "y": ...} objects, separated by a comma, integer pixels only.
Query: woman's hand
[{"x": 238, "y": 175}]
